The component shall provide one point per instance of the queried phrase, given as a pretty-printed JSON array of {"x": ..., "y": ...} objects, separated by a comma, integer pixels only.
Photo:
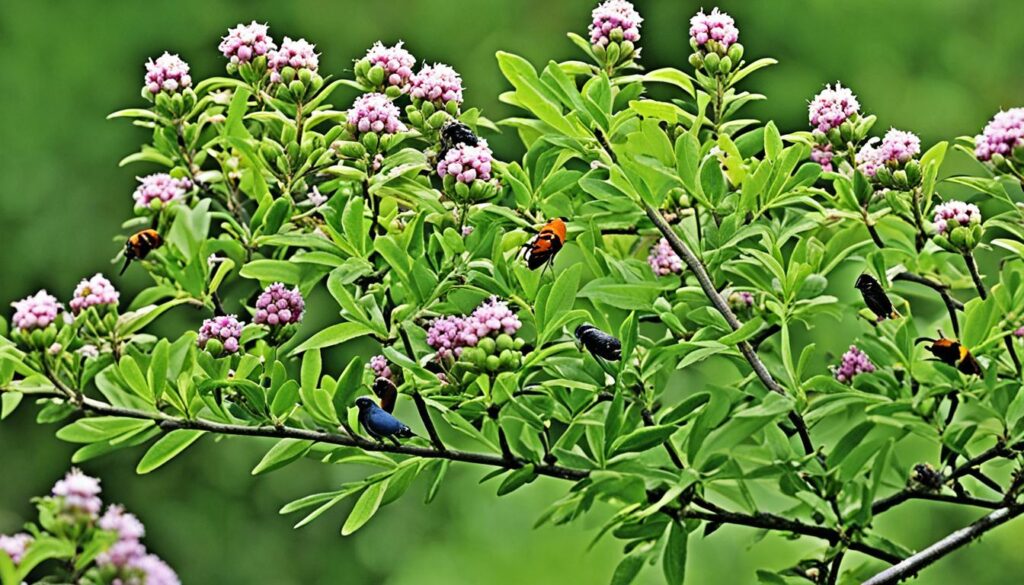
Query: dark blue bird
[{"x": 379, "y": 424}]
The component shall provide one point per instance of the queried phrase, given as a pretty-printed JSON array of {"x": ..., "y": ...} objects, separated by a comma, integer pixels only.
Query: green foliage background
[{"x": 938, "y": 67}]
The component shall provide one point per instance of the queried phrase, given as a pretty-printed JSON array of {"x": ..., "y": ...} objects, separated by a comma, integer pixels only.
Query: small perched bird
[
  {"x": 139, "y": 245},
  {"x": 599, "y": 343},
  {"x": 953, "y": 353},
  {"x": 379, "y": 423},
  {"x": 875, "y": 297},
  {"x": 541, "y": 250},
  {"x": 454, "y": 133}
]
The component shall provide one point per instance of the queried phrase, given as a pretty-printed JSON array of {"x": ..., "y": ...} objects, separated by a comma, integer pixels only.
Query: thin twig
[
  {"x": 912, "y": 565},
  {"x": 421, "y": 408},
  {"x": 952, "y": 305}
]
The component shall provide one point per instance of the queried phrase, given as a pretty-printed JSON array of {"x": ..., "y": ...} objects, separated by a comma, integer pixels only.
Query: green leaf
[
  {"x": 133, "y": 321},
  {"x": 643, "y": 439},
  {"x": 168, "y": 447},
  {"x": 366, "y": 506},
  {"x": 673, "y": 562},
  {"x": 8, "y": 402},
  {"x": 333, "y": 335},
  {"x": 281, "y": 454},
  {"x": 156, "y": 377},
  {"x": 517, "y": 479},
  {"x": 628, "y": 568},
  {"x": 101, "y": 428},
  {"x": 743, "y": 333},
  {"x": 273, "y": 271}
]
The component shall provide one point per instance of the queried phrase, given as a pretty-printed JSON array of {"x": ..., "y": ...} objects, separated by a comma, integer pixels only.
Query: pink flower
[
  {"x": 491, "y": 318},
  {"x": 822, "y": 154},
  {"x": 79, "y": 492},
  {"x": 869, "y": 158},
  {"x": 1019, "y": 332},
  {"x": 227, "y": 329},
  {"x": 374, "y": 112},
  {"x": 155, "y": 571},
  {"x": 297, "y": 54},
  {"x": 380, "y": 367},
  {"x": 15, "y": 545},
  {"x": 664, "y": 260},
  {"x": 467, "y": 230},
  {"x": 953, "y": 214},
  {"x": 277, "y": 305},
  {"x": 168, "y": 73},
  {"x": 93, "y": 291},
  {"x": 854, "y": 362},
  {"x": 316, "y": 198},
  {"x": 467, "y": 163},
  {"x": 121, "y": 554},
  {"x": 740, "y": 300},
  {"x": 614, "y": 15},
  {"x": 245, "y": 42},
  {"x": 831, "y": 107},
  {"x": 898, "y": 147},
  {"x": 445, "y": 335},
  {"x": 396, "y": 62},
  {"x": 125, "y": 524},
  {"x": 717, "y": 26},
  {"x": 438, "y": 83},
  {"x": 160, "y": 186},
  {"x": 1002, "y": 135},
  {"x": 35, "y": 312}
]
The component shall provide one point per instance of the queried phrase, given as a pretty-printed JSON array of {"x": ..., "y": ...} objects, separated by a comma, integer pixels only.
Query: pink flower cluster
[
  {"x": 822, "y": 154},
  {"x": 93, "y": 291},
  {"x": 664, "y": 260},
  {"x": 831, "y": 107},
  {"x": 277, "y": 305},
  {"x": 1019, "y": 332},
  {"x": 128, "y": 555},
  {"x": 160, "y": 186},
  {"x": 869, "y": 158},
  {"x": 381, "y": 368},
  {"x": 396, "y": 62},
  {"x": 854, "y": 362},
  {"x": 245, "y": 42},
  {"x": 956, "y": 212},
  {"x": 437, "y": 83},
  {"x": 79, "y": 492},
  {"x": 467, "y": 163},
  {"x": 168, "y": 73},
  {"x": 611, "y": 15},
  {"x": 717, "y": 26},
  {"x": 448, "y": 335},
  {"x": 741, "y": 300},
  {"x": 899, "y": 146},
  {"x": 15, "y": 545},
  {"x": 374, "y": 112},
  {"x": 1003, "y": 133},
  {"x": 297, "y": 54},
  {"x": 227, "y": 329},
  {"x": 36, "y": 311}
]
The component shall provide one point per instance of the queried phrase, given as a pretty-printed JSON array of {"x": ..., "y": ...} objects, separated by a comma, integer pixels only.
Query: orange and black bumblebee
[
  {"x": 139, "y": 245},
  {"x": 875, "y": 297},
  {"x": 953, "y": 353},
  {"x": 541, "y": 250}
]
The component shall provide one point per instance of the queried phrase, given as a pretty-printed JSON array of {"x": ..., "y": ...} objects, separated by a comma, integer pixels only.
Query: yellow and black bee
[
  {"x": 953, "y": 353},
  {"x": 541, "y": 250},
  {"x": 139, "y": 245},
  {"x": 599, "y": 343},
  {"x": 454, "y": 133},
  {"x": 875, "y": 297}
]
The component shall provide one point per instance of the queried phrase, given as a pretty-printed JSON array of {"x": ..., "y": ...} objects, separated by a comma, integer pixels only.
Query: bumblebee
[
  {"x": 952, "y": 352},
  {"x": 541, "y": 250},
  {"x": 139, "y": 245},
  {"x": 386, "y": 391},
  {"x": 454, "y": 133},
  {"x": 599, "y": 343},
  {"x": 875, "y": 297}
]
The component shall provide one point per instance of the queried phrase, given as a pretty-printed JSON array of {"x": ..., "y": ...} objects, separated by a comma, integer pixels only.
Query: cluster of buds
[
  {"x": 158, "y": 190},
  {"x": 36, "y": 319},
  {"x": 957, "y": 226},
  {"x": 1001, "y": 143},
  {"x": 277, "y": 306},
  {"x": 96, "y": 292},
  {"x": 854, "y": 362},
  {"x": 386, "y": 70},
  {"x": 436, "y": 92},
  {"x": 466, "y": 172},
  {"x": 1019, "y": 332},
  {"x": 247, "y": 48},
  {"x": 664, "y": 260},
  {"x": 381, "y": 368},
  {"x": 293, "y": 69},
  {"x": 168, "y": 85},
  {"x": 740, "y": 302},
  {"x": 836, "y": 123},
  {"x": 39, "y": 320},
  {"x": 714, "y": 39},
  {"x": 614, "y": 34},
  {"x": 221, "y": 335},
  {"x": 372, "y": 120},
  {"x": 483, "y": 342},
  {"x": 893, "y": 163}
]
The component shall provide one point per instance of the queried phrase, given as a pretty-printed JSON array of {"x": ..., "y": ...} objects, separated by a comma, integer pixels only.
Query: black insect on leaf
[
  {"x": 875, "y": 297},
  {"x": 598, "y": 342}
]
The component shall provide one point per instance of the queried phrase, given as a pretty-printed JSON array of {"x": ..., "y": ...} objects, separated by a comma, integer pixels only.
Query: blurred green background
[{"x": 938, "y": 67}]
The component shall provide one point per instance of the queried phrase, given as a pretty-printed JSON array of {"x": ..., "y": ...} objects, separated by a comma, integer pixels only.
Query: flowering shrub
[
  {"x": 73, "y": 543},
  {"x": 380, "y": 190}
]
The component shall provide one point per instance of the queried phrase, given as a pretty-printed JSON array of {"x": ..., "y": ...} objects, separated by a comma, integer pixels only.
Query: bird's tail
[{"x": 405, "y": 433}]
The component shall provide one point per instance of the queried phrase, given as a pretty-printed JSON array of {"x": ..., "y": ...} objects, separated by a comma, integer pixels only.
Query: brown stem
[
  {"x": 952, "y": 305},
  {"x": 421, "y": 407}
]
